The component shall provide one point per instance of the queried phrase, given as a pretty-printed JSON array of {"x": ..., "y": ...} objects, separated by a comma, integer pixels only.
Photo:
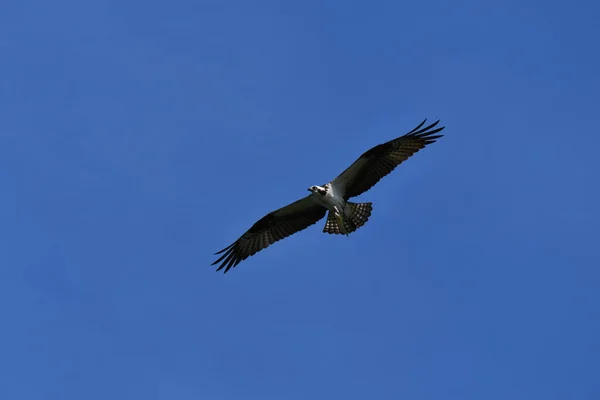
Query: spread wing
[
  {"x": 379, "y": 161},
  {"x": 269, "y": 229}
]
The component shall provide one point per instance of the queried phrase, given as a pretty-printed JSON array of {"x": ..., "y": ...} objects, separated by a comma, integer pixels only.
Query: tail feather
[{"x": 357, "y": 216}]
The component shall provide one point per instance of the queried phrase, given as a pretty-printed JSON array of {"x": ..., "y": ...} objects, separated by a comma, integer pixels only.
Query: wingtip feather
[{"x": 418, "y": 126}]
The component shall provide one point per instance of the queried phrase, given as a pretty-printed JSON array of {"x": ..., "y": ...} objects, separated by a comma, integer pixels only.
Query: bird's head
[{"x": 317, "y": 190}]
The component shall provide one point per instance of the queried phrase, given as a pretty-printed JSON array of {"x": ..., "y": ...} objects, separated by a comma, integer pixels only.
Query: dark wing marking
[
  {"x": 269, "y": 229},
  {"x": 379, "y": 161}
]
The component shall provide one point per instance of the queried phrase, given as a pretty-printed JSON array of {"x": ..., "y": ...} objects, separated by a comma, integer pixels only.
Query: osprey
[{"x": 344, "y": 216}]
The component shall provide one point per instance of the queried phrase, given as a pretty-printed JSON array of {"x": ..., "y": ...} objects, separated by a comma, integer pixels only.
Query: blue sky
[{"x": 139, "y": 137}]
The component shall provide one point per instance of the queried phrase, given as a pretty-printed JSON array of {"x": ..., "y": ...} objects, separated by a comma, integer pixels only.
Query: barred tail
[{"x": 357, "y": 214}]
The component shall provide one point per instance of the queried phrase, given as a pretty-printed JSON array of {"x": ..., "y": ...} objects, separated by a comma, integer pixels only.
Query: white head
[{"x": 318, "y": 190}]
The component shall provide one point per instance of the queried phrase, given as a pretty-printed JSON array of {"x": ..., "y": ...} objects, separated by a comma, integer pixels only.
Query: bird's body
[
  {"x": 327, "y": 197},
  {"x": 344, "y": 216},
  {"x": 334, "y": 201}
]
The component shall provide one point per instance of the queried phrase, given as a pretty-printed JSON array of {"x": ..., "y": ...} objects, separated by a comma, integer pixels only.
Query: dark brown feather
[
  {"x": 382, "y": 159},
  {"x": 271, "y": 228}
]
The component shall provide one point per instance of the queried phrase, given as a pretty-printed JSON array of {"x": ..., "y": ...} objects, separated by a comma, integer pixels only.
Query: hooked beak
[{"x": 309, "y": 189}]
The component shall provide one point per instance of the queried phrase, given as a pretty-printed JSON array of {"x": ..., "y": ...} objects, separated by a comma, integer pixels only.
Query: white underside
[{"x": 332, "y": 201}]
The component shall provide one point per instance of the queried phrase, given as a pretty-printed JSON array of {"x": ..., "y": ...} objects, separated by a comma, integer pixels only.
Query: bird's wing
[
  {"x": 379, "y": 161},
  {"x": 272, "y": 227}
]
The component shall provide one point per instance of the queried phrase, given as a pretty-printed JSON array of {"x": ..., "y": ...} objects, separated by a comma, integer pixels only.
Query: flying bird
[{"x": 344, "y": 216}]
